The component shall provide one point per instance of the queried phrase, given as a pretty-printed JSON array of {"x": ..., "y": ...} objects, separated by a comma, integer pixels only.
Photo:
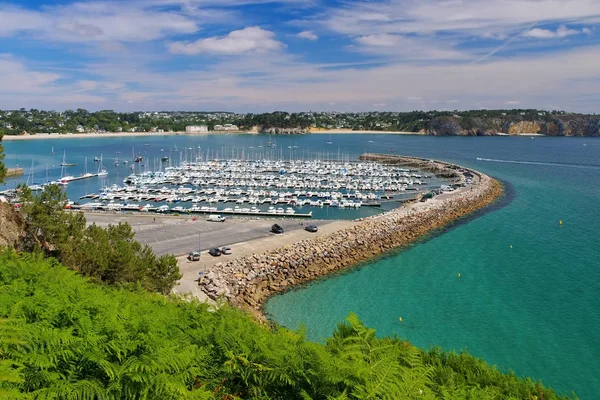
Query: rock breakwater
[{"x": 248, "y": 281}]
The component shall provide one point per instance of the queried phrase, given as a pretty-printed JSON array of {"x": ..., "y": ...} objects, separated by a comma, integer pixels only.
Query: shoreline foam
[{"x": 247, "y": 282}]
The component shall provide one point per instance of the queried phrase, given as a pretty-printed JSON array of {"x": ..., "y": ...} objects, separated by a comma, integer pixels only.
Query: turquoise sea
[{"x": 533, "y": 307}]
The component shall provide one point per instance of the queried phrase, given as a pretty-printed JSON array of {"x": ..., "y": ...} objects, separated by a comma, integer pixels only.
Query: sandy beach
[{"x": 43, "y": 136}]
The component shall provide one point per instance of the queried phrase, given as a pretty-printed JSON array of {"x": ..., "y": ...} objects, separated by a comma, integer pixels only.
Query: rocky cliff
[
  {"x": 563, "y": 125},
  {"x": 11, "y": 226}
]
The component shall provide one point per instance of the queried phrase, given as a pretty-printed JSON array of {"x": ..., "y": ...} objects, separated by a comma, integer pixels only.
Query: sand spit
[{"x": 248, "y": 281}]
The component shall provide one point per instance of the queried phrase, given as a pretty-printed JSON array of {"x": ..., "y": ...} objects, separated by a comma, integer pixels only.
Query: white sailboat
[
  {"x": 64, "y": 179},
  {"x": 33, "y": 187},
  {"x": 87, "y": 174},
  {"x": 101, "y": 170}
]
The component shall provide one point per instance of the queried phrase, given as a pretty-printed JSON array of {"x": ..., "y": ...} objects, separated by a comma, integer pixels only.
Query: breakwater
[
  {"x": 248, "y": 281},
  {"x": 12, "y": 172}
]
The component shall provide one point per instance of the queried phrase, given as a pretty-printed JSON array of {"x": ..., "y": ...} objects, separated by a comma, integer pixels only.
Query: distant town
[{"x": 18, "y": 122}]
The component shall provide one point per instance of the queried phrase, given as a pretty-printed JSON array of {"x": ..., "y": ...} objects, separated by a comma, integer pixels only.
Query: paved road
[{"x": 180, "y": 235}]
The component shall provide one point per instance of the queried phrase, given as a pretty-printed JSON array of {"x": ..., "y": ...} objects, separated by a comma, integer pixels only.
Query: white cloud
[
  {"x": 454, "y": 29},
  {"x": 249, "y": 39},
  {"x": 95, "y": 21},
  {"x": 379, "y": 40},
  {"x": 472, "y": 17},
  {"x": 287, "y": 83},
  {"x": 77, "y": 29},
  {"x": 89, "y": 85},
  {"x": 16, "y": 19},
  {"x": 413, "y": 48},
  {"x": 309, "y": 35},
  {"x": 560, "y": 32},
  {"x": 16, "y": 78}
]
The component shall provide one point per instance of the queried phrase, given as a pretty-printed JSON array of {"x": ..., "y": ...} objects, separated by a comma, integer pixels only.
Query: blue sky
[{"x": 300, "y": 55}]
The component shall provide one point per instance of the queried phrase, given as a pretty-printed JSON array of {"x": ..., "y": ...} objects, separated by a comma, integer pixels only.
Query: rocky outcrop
[
  {"x": 563, "y": 125},
  {"x": 523, "y": 127},
  {"x": 11, "y": 226},
  {"x": 248, "y": 281}
]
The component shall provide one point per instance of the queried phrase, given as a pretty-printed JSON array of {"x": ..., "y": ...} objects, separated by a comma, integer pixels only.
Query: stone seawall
[
  {"x": 12, "y": 172},
  {"x": 248, "y": 281}
]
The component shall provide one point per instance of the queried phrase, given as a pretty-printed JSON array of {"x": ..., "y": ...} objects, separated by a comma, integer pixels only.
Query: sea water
[{"x": 528, "y": 294}]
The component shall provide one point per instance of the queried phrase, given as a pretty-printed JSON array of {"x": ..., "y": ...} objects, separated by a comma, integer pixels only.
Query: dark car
[
  {"x": 311, "y": 228},
  {"x": 215, "y": 252},
  {"x": 276, "y": 229}
]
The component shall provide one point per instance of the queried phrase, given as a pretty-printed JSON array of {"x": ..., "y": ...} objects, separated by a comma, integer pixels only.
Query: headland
[{"x": 248, "y": 281}]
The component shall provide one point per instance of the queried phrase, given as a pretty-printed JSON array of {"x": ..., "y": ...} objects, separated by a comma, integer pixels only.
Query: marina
[{"x": 290, "y": 188}]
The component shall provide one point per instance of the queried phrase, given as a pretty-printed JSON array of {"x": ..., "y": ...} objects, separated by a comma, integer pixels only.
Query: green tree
[
  {"x": 48, "y": 224},
  {"x": 110, "y": 255}
]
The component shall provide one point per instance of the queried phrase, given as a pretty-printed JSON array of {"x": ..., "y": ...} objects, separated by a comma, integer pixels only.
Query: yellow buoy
[
  {"x": 459, "y": 274},
  {"x": 511, "y": 246},
  {"x": 400, "y": 319},
  {"x": 560, "y": 222}
]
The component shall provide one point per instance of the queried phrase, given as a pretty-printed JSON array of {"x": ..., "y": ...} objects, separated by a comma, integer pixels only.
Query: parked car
[
  {"x": 311, "y": 228},
  {"x": 193, "y": 256},
  {"x": 215, "y": 252},
  {"x": 276, "y": 228},
  {"x": 226, "y": 250},
  {"x": 216, "y": 218}
]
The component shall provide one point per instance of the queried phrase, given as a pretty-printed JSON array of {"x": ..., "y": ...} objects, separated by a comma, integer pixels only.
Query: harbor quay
[{"x": 247, "y": 281}]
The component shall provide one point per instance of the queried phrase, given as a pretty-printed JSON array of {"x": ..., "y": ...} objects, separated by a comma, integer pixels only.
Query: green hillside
[{"x": 64, "y": 337}]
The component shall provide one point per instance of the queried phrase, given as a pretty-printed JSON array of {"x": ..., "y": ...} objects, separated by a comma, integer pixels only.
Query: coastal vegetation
[
  {"x": 473, "y": 122},
  {"x": 109, "y": 255},
  {"x": 63, "y": 337}
]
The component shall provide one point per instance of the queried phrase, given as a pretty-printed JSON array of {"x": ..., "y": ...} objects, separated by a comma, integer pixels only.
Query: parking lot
[{"x": 180, "y": 235}]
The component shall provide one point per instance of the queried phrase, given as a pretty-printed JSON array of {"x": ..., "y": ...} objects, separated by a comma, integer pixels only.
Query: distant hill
[
  {"x": 552, "y": 125},
  {"x": 472, "y": 122}
]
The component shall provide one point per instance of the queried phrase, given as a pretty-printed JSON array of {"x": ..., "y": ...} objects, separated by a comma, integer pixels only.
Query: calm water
[{"x": 532, "y": 308}]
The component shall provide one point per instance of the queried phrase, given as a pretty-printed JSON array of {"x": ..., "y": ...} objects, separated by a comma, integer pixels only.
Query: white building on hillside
[
  {"x": 226, "y": 127},
  {"x": 196, "y": 128}
]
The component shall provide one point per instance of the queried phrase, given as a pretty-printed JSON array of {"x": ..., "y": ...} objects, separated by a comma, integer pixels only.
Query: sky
[{"x": 300, "y": 55}]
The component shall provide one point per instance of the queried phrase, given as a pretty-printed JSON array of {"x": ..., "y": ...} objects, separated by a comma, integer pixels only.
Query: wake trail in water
[{"x": 553, "y": 164}]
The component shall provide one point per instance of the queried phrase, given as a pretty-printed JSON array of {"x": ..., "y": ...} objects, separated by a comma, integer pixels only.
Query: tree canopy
[{"x": 110, "y": 255}]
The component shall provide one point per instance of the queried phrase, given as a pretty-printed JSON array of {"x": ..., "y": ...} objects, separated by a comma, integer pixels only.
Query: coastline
[
  {"x": 43, "y": 136},
  {"x": 247, "y": 282}
]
